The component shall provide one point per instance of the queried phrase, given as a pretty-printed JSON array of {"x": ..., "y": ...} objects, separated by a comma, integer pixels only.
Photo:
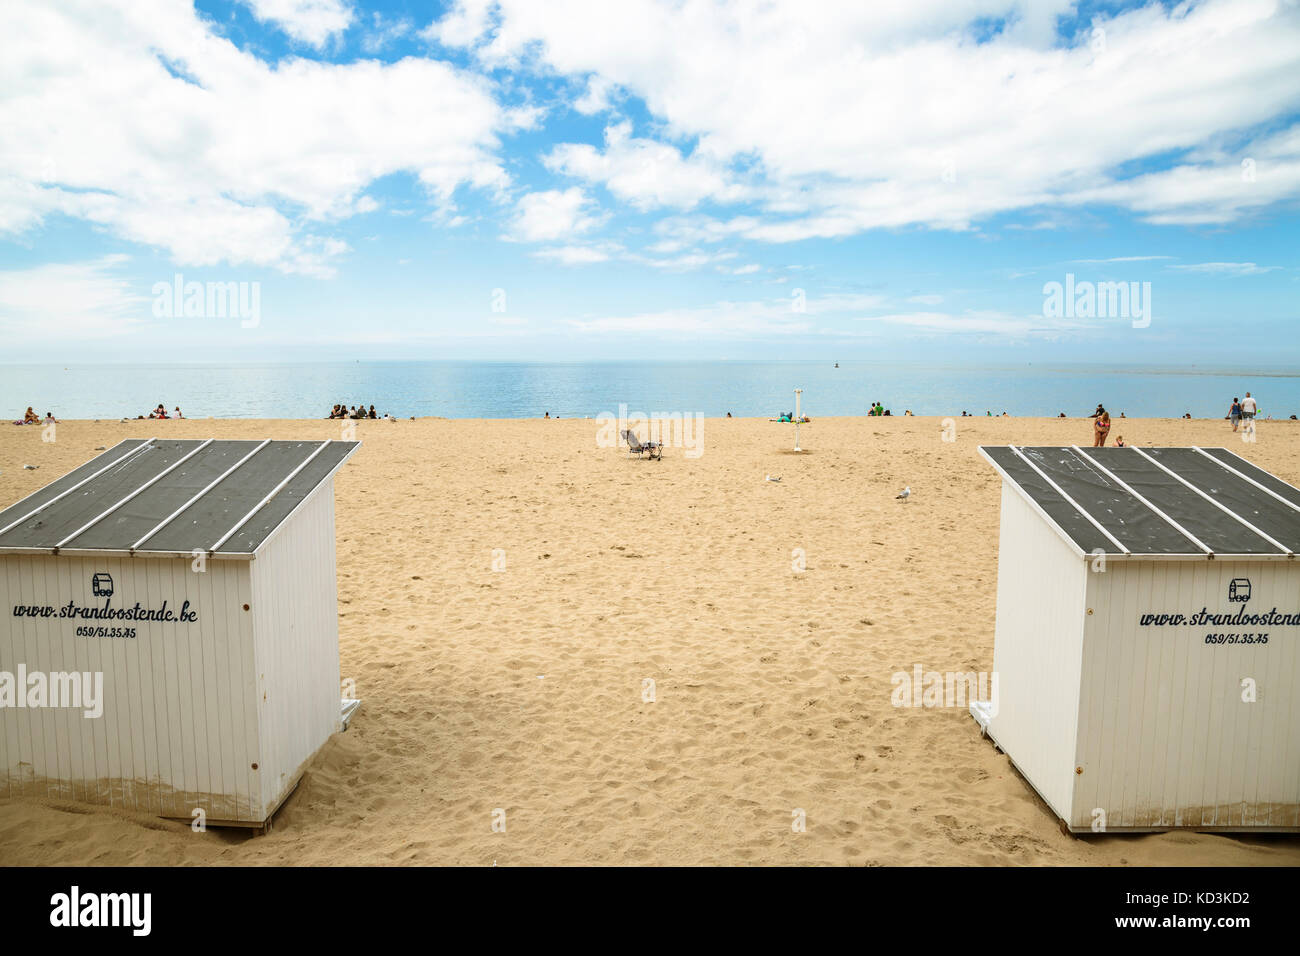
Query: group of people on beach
[
  {"x": 878, "y": 408},
  {"x": 161, "y": 412},
  {"x": 31, "y": 418},
  {"x": 1241, "y": 410},
  {"x": 356, "y": 411}
]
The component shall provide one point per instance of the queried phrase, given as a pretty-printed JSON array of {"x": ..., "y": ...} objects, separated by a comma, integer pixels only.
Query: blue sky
[{"x": 581, "y": 180}]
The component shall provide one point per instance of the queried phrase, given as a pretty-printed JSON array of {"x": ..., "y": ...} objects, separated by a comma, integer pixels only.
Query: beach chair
[{"x": 635, "y": 446}]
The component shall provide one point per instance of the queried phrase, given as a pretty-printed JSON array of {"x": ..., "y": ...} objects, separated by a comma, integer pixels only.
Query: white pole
[{"x": 797, "y": 416}]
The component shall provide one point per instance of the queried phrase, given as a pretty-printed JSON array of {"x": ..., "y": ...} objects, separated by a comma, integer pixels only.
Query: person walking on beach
[
  {"x": 1100, "y": 429},
  {"x": 1248, "y": 407},
  {"x": 1234, "y": 413}
]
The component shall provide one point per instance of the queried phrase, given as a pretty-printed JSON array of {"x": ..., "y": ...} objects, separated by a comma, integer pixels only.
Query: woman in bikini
[{"x": 1100, "y": 430}]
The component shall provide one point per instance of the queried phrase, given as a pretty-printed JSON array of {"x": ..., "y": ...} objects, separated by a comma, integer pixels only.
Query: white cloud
[
  {"x": 885, "y": 115},
  {"x": 573, "y": 255},
  {"x": 552, "y": 215},
  {"x": 721, "y": 318},
  {"x": 83, "y": 300},
  {"x": 930, "y": 299},
  {"x": 309, "y": 21},
  {"x": 1214, "y": 187},
  {"x": 980, "y": 322},
  {"x": 596, "y": 98},
  {"x": 233, "y": 159},
  {"x": 791, "y": 315},
  {"x": 1121, "y": 259},
  {"x": 684, "y": 262},
  {"x": 383, "y": 32},
  {"x": 645, "y": 173},
  {"x": 746, "y": 270},
  {"x": 1231, "y": 269}
]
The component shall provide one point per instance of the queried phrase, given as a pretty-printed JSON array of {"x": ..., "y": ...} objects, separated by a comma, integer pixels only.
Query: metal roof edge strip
[
  {"x": 100, "y": 517},
  {"x": 274, "y": 491},
  {"x": 119, "y": 554},
  {"x": 1074, "y": 504},
  {"x": 1038, "y": 509},
  {"x": 216, "y": 481},
  {"x": 1244, "y": 477},
  {"x": 1198, "y": 556},
  {"x": 1129, "y": 488},
  {"x": 62, "y": 494},
  {"x": 1222, "y": 507},
  {"x": 307, "y": 497}
]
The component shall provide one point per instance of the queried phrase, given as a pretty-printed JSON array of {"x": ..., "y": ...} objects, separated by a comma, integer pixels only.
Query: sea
[{"x": 587, "y": 389}]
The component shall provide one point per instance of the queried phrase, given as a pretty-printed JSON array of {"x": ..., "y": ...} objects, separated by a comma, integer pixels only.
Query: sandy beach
[{"x": 524, "y": 688}]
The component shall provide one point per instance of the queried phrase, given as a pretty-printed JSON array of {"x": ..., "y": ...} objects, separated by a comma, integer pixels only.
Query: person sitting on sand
[
  {"x": 177, "y": 413},
  {"x": 372, "y": 412},
  {"x": 30, "y": 417},
  {"x": 1119, "y": 442},
  {"x": 1098, "y": 413},
  {"x": 50, "y": 419},
  {"x": 1100, "y": 429}
]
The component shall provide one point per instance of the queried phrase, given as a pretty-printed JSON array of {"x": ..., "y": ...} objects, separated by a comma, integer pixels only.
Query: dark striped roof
[
  {"x": 1156, "y": 501},
  {"x": 172, "y": 496}
]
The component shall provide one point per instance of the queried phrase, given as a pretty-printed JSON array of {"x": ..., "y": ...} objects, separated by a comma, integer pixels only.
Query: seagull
[{"x": 907, "y": 493}]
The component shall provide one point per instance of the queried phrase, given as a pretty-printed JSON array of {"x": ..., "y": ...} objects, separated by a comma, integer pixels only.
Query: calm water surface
[{"x": 525, "y": 390}]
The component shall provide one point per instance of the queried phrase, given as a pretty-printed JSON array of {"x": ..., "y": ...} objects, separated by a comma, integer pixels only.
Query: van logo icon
[
  {"x": 101, "y": 584},
  {"x": 1239, "y": 590}
]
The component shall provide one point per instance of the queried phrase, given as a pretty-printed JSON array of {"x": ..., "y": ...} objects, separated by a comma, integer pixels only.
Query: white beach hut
[
  {"x": 1146, "y": 650},
  {"x": 169, "y": 628}
]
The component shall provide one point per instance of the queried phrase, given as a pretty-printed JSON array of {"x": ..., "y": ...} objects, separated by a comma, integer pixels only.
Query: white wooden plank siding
[
  {"x": 1040, "y": 598},
  {"x": 1123, "y": 725},
  {"x": 158, "y": 746},
  {"x": 221, "y": 714},
  {"x": 1165, "y": 738},
  {"x": 296, "y": 647}
]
